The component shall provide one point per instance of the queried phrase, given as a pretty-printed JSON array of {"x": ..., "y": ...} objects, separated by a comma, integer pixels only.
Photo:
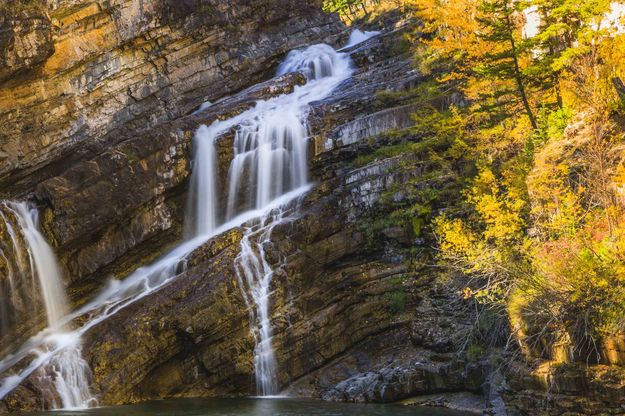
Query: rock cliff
[
  {"x": 83, "y": 85},
  {"x": 98, "y": 101},
  {"x": 356, "y": 316}
]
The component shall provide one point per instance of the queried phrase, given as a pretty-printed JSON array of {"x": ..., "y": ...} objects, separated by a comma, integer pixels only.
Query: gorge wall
[
  {"x": 114, "y": 84},
  {"x": 352, "y": 321},
  {"x": 86, "y": 83},
  {"x": 98, "y": 100}
]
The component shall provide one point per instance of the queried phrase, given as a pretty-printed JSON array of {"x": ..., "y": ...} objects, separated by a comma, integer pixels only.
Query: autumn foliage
[{"x": 541, "y": 229}]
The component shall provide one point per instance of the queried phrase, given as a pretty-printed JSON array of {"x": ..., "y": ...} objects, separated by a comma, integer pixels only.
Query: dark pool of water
[{"x": 254, "y": 407}]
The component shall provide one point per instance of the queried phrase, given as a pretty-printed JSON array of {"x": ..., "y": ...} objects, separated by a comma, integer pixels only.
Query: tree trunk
[
  {"x": 556, "y": 86},
  {"x": 517, "y": 75},
  {"x": 619, "y": 87}
]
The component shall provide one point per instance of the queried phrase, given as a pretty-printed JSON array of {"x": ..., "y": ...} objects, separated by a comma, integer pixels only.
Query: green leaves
[
  {"x": 346, "y": 8},
  {"x": 541, "y": 227}
]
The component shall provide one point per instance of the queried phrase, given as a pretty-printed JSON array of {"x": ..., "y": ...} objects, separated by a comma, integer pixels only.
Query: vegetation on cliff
[
  {"x": 541, "y": 226},
  {"x": 533, "y": 142}
]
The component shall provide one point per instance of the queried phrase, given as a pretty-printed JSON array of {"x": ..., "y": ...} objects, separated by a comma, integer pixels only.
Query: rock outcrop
[
  {"x": 100, "y": 101},
  {"x": 573, "y": 389},
  {"x": 355, "y": 316},
  {"x": 25, "y": 37},
  {"x": 358, "y": 314},
  {"x": 83, "y": 85},
  {"x": 86, "y": 74}
]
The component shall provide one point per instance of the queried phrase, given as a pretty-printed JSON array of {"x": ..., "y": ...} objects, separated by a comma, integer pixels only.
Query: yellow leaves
[
  {"x": 619, "y": 182},
  {"x": 500, "y": 212},
  {"x": 453, "y": 20},
  {"x": 612, "y": 50},
  {"x": 453, "y": 29},
  {"x": 467, "y": 293},
  {"x": 488, "y": 244},
  {"x": 455, "y": 238},
  {"x": 491, "y": 294},
  {"x": 555, "y": 207},
  {"x": 536, "y": 218}
]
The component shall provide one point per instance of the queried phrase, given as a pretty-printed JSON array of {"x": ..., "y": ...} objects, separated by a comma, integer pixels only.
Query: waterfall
[
  {"x": 269, "y": 164},
  {"x": 270, "y": 157},
  {"x": 265, "y": 181},
  {"x": 42, "y": 261},
  {"x": 69, "y": 372},
  {"x": 270, "y": 149},
  {"x": 202, "y": 201},
  {"x": 254, "y": 274},
  {"x": 358, "y": 36}
]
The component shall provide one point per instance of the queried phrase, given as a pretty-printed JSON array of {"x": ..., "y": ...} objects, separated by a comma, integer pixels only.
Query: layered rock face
[
  {"x": 80, "y": 75},
  {"x": 83, "y": 85},
  {"x": 355, "y": 317},
  {"x": 357, "y": 314},
  {"x": 97, "y": 100},
  {"x": 565, "y": 389}
]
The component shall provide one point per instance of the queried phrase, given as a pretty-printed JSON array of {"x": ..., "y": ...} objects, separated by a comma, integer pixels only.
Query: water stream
[
  {"x": 270, "y": 161},
  {"x": 41, "y": 277},
  {"x": 265, "y": 180}
]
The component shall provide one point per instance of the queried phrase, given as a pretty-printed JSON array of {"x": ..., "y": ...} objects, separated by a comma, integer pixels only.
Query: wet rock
[
  {"x": 108, "y": 214},
  {"x": 356, "y": 315},
  {"x": 462, "y": 401},
  {"x": 187, "y": 338},
  {"x": 346, "y": 318}
]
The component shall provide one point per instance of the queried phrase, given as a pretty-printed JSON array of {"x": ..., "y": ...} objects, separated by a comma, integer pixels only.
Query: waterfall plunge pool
[{"x": 254, "y": 407}]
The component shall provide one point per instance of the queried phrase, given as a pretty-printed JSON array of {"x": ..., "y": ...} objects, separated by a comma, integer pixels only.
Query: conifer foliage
[
  {"x": 541, "y": 225},
  {"x": 534, "y": 144}
]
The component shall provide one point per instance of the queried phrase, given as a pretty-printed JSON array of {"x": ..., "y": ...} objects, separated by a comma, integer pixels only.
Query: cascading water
[
  {"x": 202, "y": 201},
  {"x": 43, "y": 263},
  {"x": 266, "y": 179},
  {"x": 67, "y": 370},
  {"x": 270, "y": 160},
  {"x": 358, "y": 36},
  {"x": 255, "y": 274}
]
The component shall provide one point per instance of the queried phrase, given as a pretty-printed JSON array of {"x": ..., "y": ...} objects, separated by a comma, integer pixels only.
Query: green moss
[
  {"x": 424, "y": 92},
  {"x": 384, "y": 152},
  {"x": 417, "y": 226},
  {"x": 401, "y": 47},
  {"x": 396, "y": 301},
  {"x": 371, "y": 228},
  {"x": 132, "y": 156},
  {"x": 398, "y": 281},
  {"x": 396, "y": 149}
]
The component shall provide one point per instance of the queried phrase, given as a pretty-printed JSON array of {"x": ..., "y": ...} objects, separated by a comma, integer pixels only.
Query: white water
[
  {"x": 71, "y": 373},
  {"x": 255, "y": 273},
  {"x": 358, "y": 36},
  {"x": 202, "y": 200},
  {"x": 270, "y": 161},
  {"x": 42, "y": 260},
  {"x": 67, "y": 370},
  {"x": 202, "y": 107},
  {"x": 272, "y": 148},
  {"x": 268, "y": 173}
]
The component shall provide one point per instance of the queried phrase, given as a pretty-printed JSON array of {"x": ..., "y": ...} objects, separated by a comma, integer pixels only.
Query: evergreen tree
[
  {"x": 477, "y": 44},
  {"x": 501, "y": 28},
  {"x": 568, "y": 29}
]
